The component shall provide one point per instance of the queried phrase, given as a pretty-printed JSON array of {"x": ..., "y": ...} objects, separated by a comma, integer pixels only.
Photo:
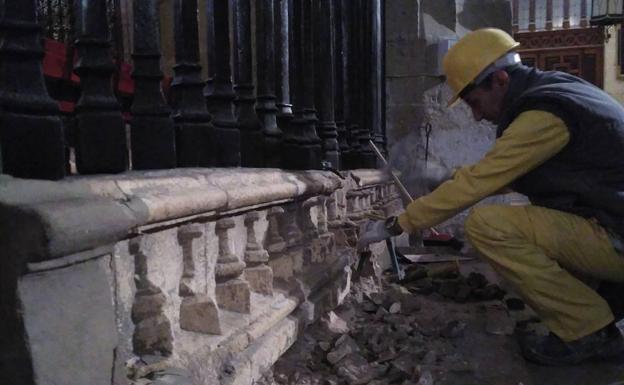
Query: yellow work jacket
[{"x": 531, "y": 139}]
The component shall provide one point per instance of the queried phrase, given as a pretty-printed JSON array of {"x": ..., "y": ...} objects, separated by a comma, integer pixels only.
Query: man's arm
[{"x": 531, "y": 139}]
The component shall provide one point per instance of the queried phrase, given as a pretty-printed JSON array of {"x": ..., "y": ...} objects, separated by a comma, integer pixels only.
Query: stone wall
[
  {"x": 202, "y": 276},
  {"x": 417, "y": 33}
]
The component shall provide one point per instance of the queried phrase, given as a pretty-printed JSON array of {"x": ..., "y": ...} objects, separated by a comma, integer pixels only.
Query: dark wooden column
[
  {"x": 282, "y": 63},
  {"x": 219, "y": 92},
  {"x": 302, "y": 146},
  {"x": 265, "y": 74},
  {"x": 339, "y": 86},
  {"x": 351, "y": 71},
  {"x": 367, "y": 157},
  {"x": 31, "y": 133},
  {"x": 195, "y": 141},
  {"x": 152, "y": 133},
  {"x": 324, "y": 90},
  {"x": 252, "y": 154},
  {"x": 100, "y": 132},
  {"x": 377, "y": 73}
]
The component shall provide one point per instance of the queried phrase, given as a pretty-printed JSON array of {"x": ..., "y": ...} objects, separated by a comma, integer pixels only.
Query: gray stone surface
[{"x": 70, "y": 323}]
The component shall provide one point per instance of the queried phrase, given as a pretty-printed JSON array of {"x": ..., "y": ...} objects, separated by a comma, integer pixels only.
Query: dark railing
[{"x": 314, "y": 93}]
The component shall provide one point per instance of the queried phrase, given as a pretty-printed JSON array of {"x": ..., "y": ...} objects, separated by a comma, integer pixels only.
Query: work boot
[{"x": 553, "y": 351}]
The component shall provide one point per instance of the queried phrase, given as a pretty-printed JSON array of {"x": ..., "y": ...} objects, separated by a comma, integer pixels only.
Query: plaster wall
[
  {"x": 417, "y": 115},
  {"x": 613, "y": 81}
]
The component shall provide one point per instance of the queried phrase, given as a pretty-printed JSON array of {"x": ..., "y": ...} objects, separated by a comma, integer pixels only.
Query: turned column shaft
[{"x": 152, "y": 133}]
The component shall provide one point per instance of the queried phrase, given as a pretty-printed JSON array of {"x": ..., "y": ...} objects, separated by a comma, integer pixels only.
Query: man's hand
[{"x": 376, "y": 231}]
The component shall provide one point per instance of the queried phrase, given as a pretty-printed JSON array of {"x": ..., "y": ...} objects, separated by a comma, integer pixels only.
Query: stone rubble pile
[{"x": 382, "y": 337}]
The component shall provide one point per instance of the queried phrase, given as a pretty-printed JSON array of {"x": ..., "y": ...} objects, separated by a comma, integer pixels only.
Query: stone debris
[
  {"x": 385, "y": 337},
  {"x": 335, "y": 324}
]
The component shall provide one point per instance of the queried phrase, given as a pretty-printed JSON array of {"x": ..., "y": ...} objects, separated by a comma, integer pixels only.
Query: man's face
[{"x": 486, "y": 102}]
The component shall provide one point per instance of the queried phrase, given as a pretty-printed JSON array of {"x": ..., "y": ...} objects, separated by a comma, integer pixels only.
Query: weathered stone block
[
  {"x": 260, "y": 279},
  {"x": 286, "y": 264},
  {"x": 69, "y": 322},
  {"x": 234, "y": 295},
  {"x": 199, "y": 314},
  {"x": 152, "y": 336}
]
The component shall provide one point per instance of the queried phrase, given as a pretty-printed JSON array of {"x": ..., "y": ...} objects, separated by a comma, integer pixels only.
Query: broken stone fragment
[
  {"x": 334, "y": 324},
  {"x": 344, "y": 345},
  {"x": 476, "y": 280},
  {"x": 514, "y": 304},
  {"x": 426, "y": 378},
  {"x": 324, "y": 345},
  {"x": 453, "y": 329},
  {"x": 405, "y": 362},
  {"x": 430, "y": 358},
  {"x": 489, "y": 292},
  {"x": 463, "y": 293},
  {"x": 357, "y": 371},
  {"x": 395, "y": 308}
]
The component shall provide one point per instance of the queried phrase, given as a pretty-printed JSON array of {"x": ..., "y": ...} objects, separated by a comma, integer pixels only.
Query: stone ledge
[{"x": 83, "y": 212}]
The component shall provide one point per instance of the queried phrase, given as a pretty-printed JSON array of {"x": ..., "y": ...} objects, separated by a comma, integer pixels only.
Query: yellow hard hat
[{"x": 472, "y": 54}]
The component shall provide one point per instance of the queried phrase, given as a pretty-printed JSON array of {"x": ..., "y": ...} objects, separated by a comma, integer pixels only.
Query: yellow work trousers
[{"x": 539, "y": 250}]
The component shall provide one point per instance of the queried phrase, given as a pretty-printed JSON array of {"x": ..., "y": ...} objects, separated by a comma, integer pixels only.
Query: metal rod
[{"x": 396, "y": 179}]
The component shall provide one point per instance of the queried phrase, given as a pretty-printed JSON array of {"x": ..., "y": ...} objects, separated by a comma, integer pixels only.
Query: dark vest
[{"x": 586, "y": 177}]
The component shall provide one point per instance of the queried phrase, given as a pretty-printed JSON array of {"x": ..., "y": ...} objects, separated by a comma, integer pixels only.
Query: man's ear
[{"x": 501, "y": 77}]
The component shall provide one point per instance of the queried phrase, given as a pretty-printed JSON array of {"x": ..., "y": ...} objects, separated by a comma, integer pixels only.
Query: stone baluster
[
  {"x": 198, "y": 312},
  {"x": 195, "y": 142},
  {"x": 309, "y": 227},
  {"x": 257, "y": 273},
  {"x": 100, "y": 133},
  {"x": 267, "y": 110},
  {"x": 324, "y": 90},
  {"x": 282, "y": 16},
  {"x": 152, "y": 329},
  {"x": 291, "y": 228},
  {"x": 333, "y": 219},
  {"x": 340, "y": 84},
  {"x": 152, "y": 133},
  {"x": 322, "y": 221},
  {"x": 327, "y": 238},
  {"x": 274, "y": 241},
  {"x": 312, "y": 250},
  {"x": 252, "y": 154},
  {"x": 302, "y": 146},
  {"x": 32, "y": 142},
  {"x": 350, "y": 70},
  {"x": 232, "y": 291},
  {"x": 218, "y": 91}
]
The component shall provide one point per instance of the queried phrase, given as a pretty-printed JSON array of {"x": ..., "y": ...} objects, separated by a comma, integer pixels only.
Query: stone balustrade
[{"x": 214, "y": 271}]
